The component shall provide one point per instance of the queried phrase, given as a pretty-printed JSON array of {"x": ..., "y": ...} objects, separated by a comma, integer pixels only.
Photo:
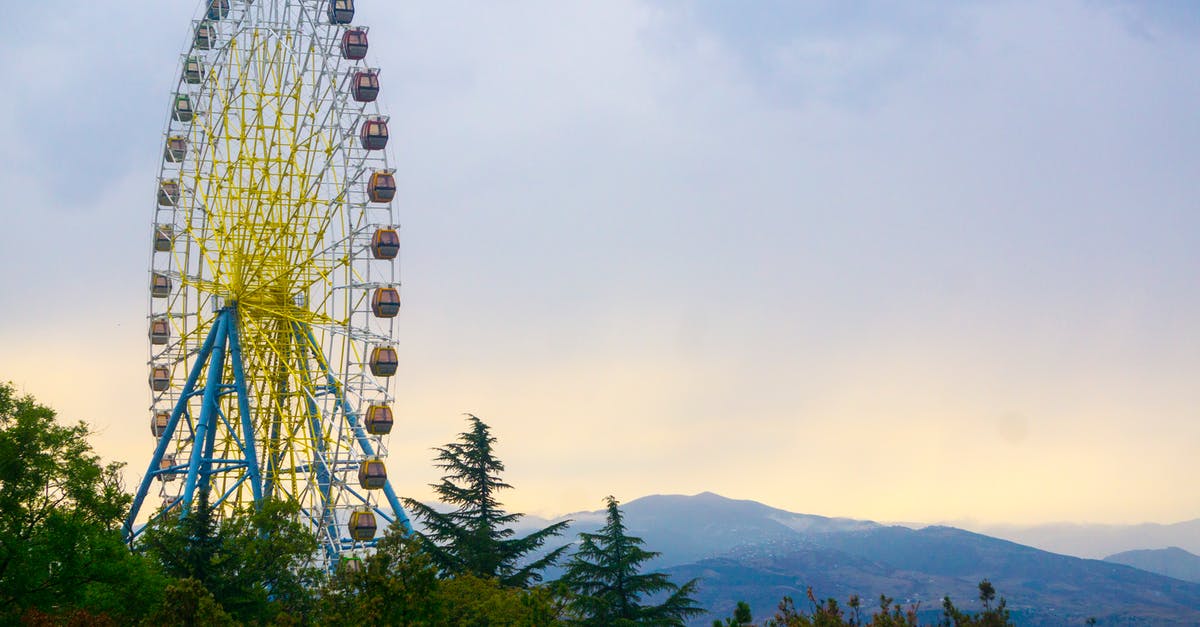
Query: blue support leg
[
  {"x": 208, "y": 412},
  {"x": 165, "y": 439},
  {"x": 324, "y": 480},
  {"x": 239, "y": 384}
]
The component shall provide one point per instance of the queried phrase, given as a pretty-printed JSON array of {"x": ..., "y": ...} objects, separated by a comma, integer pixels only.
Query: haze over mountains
[
  {"x": 744, "y": 550},
  {"x": 1098, "y": 541},
  {"x": 1079, "y": 540},
  {"x": 1172, "y": 562}
]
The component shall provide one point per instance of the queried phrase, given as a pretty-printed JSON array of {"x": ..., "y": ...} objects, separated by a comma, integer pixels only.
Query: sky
[{"x": 914, "y": 261}]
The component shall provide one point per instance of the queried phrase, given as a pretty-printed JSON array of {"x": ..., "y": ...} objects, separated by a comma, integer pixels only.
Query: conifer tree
[
  {"x": 608, "y": 587},
  {"x": 477, "y": 537}
]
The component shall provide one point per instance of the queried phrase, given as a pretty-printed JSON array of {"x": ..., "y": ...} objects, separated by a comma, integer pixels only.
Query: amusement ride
[{"x": 273, "y": 285}]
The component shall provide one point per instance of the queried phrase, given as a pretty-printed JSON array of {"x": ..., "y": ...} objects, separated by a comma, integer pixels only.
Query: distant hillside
[
  {"x": 744, "y": 550},
  {"x": 1172, "y": 562},
  {"x": 1097, "y": 541},
  {"x": 922, "y": 566},
  {"x": 688, "y": 528}
]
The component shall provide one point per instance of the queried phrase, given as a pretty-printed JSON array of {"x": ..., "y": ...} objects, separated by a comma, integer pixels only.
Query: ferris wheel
[{"x": 273, "y": 286}]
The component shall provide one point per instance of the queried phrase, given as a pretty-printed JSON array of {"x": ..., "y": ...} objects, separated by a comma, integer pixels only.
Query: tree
[
  {"x": 469, "y": 600},
  {"x": 398, "y": 584},
  {"x": 990, "y": 617},
  {"x": 608, "y": 587},
  {"x": 255, "y": 563},
  {"x": 187, "y": 603},
  {"x": 272, "y": 552},
  {"x": 395, "y": 585},
  {"x": 477, "y": 537},
  {"x": 891, "y": 614},
  {"x": 60, "y": 509},
  {"x": 742, "y": 617},
  {"x": 186, "y": 547}
]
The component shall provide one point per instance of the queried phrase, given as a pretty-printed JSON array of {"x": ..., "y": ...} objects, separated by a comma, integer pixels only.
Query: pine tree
[
  {"x": 477, "y": 537},
  {"x": 608, "y": 587}
]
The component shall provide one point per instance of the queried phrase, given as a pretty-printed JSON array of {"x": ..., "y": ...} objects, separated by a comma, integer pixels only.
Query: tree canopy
[
  {"x": 608, "y": 587},
  {"x": 256, "y": 564},
  {"x": 60, "y": 511},
  {"x": 477, "y": 538},
  {"x": 398, "y": 584}
]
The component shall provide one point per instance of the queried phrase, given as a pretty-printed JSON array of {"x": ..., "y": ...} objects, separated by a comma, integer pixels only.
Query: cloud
[{"x": 786, "y": 252}]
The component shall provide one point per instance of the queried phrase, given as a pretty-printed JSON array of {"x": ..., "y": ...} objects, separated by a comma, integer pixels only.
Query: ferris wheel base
[{"x": 222, "y": 348}]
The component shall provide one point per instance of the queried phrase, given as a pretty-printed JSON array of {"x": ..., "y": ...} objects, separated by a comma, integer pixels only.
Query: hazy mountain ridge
[
  {"x": 744, "y": 550},
  {"x": 1098, "y": 541},
  {"x": 1171, "y": 562},
  {"x": 689, "y": 528}
]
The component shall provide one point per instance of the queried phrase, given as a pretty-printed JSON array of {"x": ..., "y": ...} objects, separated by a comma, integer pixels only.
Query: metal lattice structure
[{"x": 273, "y": 282}]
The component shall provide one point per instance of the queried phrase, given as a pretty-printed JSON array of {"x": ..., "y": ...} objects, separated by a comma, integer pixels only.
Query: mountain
[
  {"x": 1097, "y": 541},
  {"x": 744, "y": 550},
  {"x": 689, "y": 528},
  {"x": 1172, "y": 562},
  {"x": 922, "y": 566}
]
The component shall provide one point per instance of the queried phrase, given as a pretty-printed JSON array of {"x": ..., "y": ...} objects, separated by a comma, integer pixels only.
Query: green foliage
[
  {"x": 828, "y": 613},
  {"x": 61, "y": 552},
  {"x": 187, "y": 603},
  {"x": 274, "y": 550},
  {"x": 608, "y": 587},
  {"x": 741, "y": 617},
  {"x": 395, "y": 585},
  {"x": 891, "y": 614},
  {"x": 398, "y": 584},
  {"x": 472, "y": 601},
  {"x": 990, "y": 617},
  {"x": 254, "y": 564},
  {"x": 477, "y": 537}
]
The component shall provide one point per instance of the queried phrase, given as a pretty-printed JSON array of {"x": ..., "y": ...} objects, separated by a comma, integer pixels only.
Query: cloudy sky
[{"x": 893, "y": 260}]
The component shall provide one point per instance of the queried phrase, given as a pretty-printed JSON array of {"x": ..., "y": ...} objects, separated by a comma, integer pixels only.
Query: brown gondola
[
  {"x": 382, "y": 186},
  {"x": 160, "y": 331},
  {"x": 164, "y": 238},
  {"x": 374, "y": 133},
  {"x": 160, "y": 378},
  {"x": 385, "y": 244},
  {"x": 159, "y": 422},
  {"x": 354, "y": 44},
  {"x": 385, "y": 302},
  {"x": 372, "y": 474},
  {"x": 362, "y": 525},
  {"x": 160, "y": 285},
  {"x": 379, "y": 420},
  {"x": 384, "y": 361},
  {"x": 366, "y": 85},
  {"x": 167, "y": 461},
  {"x": 176, "y": 149}
]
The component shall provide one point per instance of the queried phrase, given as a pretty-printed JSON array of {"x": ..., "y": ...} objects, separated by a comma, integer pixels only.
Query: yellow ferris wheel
[{"x": 273, "y": 287}]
